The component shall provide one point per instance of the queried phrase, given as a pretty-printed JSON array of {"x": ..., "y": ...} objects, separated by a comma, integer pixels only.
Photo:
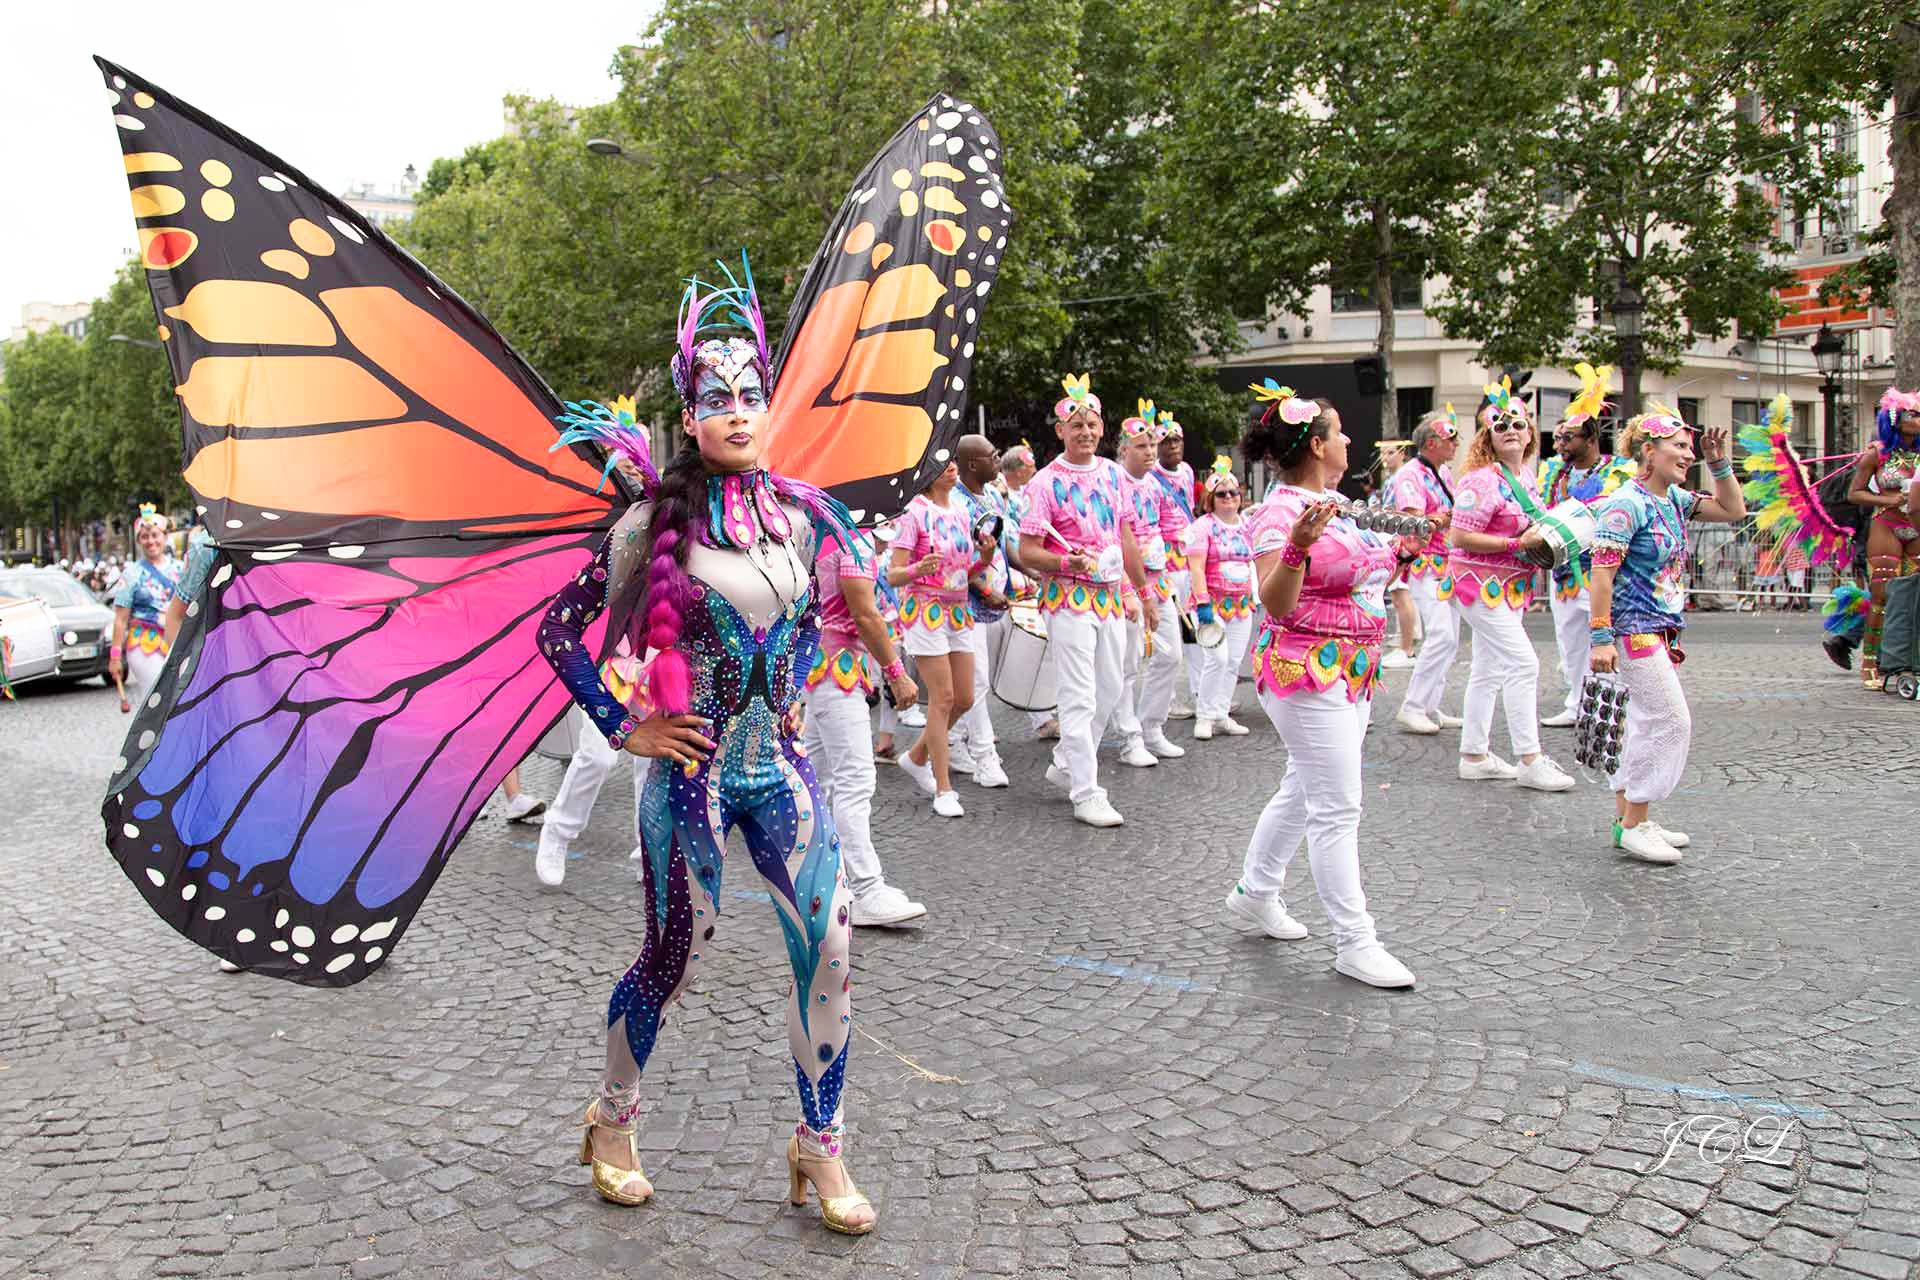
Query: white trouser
[
  {"x": 1126, "y": 721},
  {"x": 1573, "y": 628},
  {"x": 1440, "y": 632},
  {"x": 1088, "y": 663},
  {"x": 1153, "y": 687},
  {"x": 1318, "y": 802},
  {"x": 976, "y": 727},
  {"x": 1504, "y": 665},
  {"x": 1220, "y": 668},
  {"x": 142, "y": 675},
  {"x": 1659, "y": 728},
  {"x": 593, "y": 760},
  {"x": 839, "y": 741}
]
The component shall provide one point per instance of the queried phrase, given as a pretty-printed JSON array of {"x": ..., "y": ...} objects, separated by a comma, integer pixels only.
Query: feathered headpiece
[
  {"x": 1893, "y": 404},
  {"x": 1592, "y": 400},
  {"x": 704, "y": 308},
  {"x": 1293, "y": 410},
  {"x": 1222, "y": 477},
  {"x": 149, "y": 517},
  {"x": 1079, "y": 389},
  {"x": 1781, "y": 496},
  {"x": 1021, "y": 453},
  {"x": 1501, "y": 404},
  {"x": 615, "y": 430},
  {"x": 1142, "y": 423},
  {"x": 1168, "y": 427}
]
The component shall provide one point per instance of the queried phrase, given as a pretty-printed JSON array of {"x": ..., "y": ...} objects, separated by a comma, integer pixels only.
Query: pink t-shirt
[
  {"x": 1416, "y": 487},
  {"x": 834, "y": 565},
  {"x": 1344, "y": 592},
  {"x": 1176, "y": 512},
  {"x": 1086, "y": 506},
  {"x": 925, "y": 526},
  {"x": 1148, "y": 497},
  {"x": 1229, "y": 552},
  {"x": 1484, "y": 503}
]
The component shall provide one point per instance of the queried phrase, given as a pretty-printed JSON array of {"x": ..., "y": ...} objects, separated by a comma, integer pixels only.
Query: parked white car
[
  {"x": 86, "y": 625},
  {"x": 33, "y": 639}
]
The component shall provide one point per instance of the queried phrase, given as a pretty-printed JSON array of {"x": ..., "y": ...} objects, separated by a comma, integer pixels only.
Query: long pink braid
[{"x": 674, "y": 527}]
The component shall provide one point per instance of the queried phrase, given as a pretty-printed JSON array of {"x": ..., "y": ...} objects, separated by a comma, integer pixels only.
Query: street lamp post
[
  {"x": 138, "y": 342},
  {"x": 1629, "y": 309},
  {"x": 1829, "y": 353}
]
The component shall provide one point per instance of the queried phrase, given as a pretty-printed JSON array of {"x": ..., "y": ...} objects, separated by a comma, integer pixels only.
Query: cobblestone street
[{"x": 1077, "y": 1066}]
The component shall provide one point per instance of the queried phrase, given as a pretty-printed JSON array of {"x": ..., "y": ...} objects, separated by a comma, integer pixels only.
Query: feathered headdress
[
  {"x": 1280, "y": 400},
  {"x": 1079, "y": 389},
  {"x": 615, "y": 430},
  {"x": 149, "y": 517},
  {"x": 1781, "y": 496},
  {"x": 1170, "y": 428},
  {"x": 1592, "y": 400},
  {"x": 1222, "y": 477},
  {"x": 1893, "y": 403},
  {"x": 1500, "y": 403},
  {"x": 704, "y": 308},
  {"x": 1142, "y": 423}
]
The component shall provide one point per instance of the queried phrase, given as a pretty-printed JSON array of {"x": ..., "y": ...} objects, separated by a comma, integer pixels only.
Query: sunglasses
[{"x": 1510, "y": 424}]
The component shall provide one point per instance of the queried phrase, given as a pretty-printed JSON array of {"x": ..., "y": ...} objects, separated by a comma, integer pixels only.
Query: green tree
[
  {"x": 1307, "y": 150},
  {"x": 1653, "y": 172},
  {"x": 45, "y": 444},
  {"x": 131, "y": 411}
]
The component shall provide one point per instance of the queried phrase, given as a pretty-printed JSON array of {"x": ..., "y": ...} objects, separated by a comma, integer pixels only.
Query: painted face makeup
[{"x": 728, "y": 417}]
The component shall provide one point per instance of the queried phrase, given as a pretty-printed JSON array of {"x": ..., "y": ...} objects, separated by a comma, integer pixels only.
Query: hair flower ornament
[
  {"x": 1079, "y": 389},
  {"x": 1592, "y": 400},
  {"x": 1293, "y": 410}
]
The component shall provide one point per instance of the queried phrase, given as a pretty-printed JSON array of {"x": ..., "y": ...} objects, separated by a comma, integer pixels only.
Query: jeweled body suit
[{"x": 749, "y": 633}]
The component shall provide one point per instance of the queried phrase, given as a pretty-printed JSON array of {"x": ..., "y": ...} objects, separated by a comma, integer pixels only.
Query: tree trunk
[
  {"x": 1903, "y": 205},
  {"x": 1383, "y": 300}
]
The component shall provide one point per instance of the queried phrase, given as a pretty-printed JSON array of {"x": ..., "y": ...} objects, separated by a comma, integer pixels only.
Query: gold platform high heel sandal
[
  {"x": 839, "y": 1213},
  {"x": 615, "y": 1185}
]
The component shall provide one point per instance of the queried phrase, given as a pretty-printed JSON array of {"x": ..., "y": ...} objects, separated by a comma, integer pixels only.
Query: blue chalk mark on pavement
[
  {"x": 1627, "y": 1080},
  {"x": 1146, "y": 976}
]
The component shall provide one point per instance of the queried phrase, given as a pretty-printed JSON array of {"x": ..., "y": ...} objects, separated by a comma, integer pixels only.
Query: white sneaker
[
  {"x": 1444, "y": 720},
  {"x": 1202, "y": 730},
  {"x": 1232, "y": 728},
  {"x": 228, "y": 966},
  {"x": 550, "y": 860},
  {"x": 1059, "y": 777},
  {"x": 922, "y": 774},
  {"x": 914, "y": 716},
  {"x": 1397, "y": 660},
  {"x": 960, "y": 758},
  {"x": 1558, "y": 720},
  {"x": 1158, "y": 744},
  {"x": 1678, "y": 839},
  {"x": 884, "y": 906},
  {"x": 1271, "y": 917},
  {"x": 947, "y": 805},
  {"x": 1491, "y": 769},
  {"x": 1180, "y": 711},
  {"x": 1135, "y": 753},
  {"x": 1644, "y": 843},
  {"x": 1373, "y": 965},
  {"x": 1411, "y": 721},
  {"x": 1097, "y": 813},
  {"x": 989, "y": 772},
  {"x": 1544, "y": 775},
  {"x": 524, "y": 806},
  {"x": 1051, "y": 729}
]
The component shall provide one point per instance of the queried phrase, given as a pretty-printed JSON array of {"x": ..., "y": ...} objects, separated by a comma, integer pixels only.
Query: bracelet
[
  {"x": 1720, "y": 468},
  {"x": 1513, "y": 546},
  {"x": 116, "y": 652},
  {"x": 1293, "y": 555},
  {"x": 1600, "y": 635},
  {"x": 621, "y": 732},
  {"x": 895, "y": 670},
  {"x": 1600, "y": 622}
]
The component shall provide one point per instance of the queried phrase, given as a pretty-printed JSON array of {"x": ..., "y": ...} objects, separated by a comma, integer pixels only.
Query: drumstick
[{"x": 120, "y": 685}]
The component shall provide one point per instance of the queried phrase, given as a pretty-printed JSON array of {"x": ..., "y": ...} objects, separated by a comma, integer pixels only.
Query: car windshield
[{"x": 54, "y": 588}]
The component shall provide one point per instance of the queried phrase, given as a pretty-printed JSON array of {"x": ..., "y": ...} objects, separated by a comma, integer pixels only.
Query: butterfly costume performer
[{"x": 372, "y": 653}]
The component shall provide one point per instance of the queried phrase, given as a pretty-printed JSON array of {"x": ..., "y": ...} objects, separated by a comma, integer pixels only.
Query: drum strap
[
  {"x": 1520, "y": 495},
  {"x": 1439, "y": 478}
]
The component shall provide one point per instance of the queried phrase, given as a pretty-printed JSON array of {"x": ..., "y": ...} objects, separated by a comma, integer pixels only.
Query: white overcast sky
[{"x": 349, "y": 91}]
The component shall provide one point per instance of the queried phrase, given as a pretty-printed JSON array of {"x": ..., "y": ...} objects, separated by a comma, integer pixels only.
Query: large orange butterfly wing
[{"x": 870, "y": 384}]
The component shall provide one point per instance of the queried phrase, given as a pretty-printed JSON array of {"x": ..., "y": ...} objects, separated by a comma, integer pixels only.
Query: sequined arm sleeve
[{"x": 562, "y": 638}]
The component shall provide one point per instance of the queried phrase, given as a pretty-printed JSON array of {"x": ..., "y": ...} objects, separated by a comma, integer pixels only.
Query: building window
[
  {"x": 1690, "y": 411},
  {"x": 1412, "y": 404},
  {"x": 1353, "y": 290}
]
